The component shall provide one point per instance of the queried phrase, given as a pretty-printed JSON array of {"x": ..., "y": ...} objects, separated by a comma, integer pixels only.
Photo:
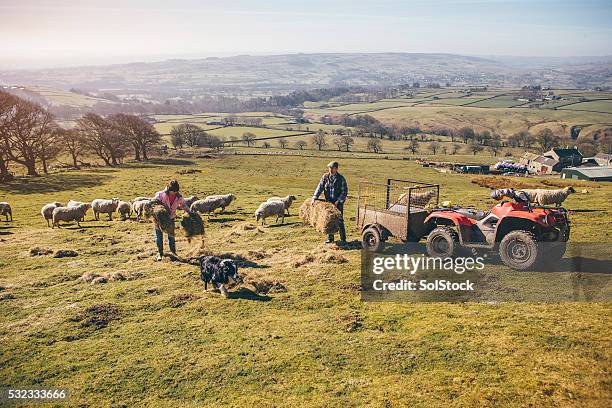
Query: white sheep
[
  {"x": 68, "y": 214},
  {"x": 47, "y": 211},
  {"x": 73, "y": 203},
  {"x": 270, "y": 208},
  {"x": 211, "y": 203},
  {"x": 286, "y": 200},
  {"x": 419, "y": 198},
  {"x": 5, "y": 209},
  {"x": 101, "y": 206},
  {"x": 138, "y": 207},
  {"x": 547, "y": 197},
  {"x": 141, "y": 199},
  {"x": 124, "y": 209},
  {"x": 191, "y": 200}
]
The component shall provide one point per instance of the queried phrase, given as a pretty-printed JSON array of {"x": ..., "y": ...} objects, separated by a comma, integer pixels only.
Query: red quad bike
[{"x": 515, "y": 229}]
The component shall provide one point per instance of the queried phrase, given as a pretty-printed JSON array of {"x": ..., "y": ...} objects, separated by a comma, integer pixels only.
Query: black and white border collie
[{"x": 219, "y": 272}]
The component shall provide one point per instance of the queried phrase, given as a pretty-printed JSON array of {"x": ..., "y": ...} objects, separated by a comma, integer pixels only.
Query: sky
[{"x": 63, "y": 32}]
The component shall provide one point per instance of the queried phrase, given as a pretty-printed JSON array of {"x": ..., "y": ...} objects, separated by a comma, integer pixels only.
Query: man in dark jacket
[{"x": 334, "y": 188}]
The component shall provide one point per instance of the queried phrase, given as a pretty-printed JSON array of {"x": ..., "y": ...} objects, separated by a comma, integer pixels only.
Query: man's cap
[{"x": 332, "y": 164}]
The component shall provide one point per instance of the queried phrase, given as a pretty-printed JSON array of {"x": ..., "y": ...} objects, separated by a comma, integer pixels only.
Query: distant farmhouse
[{"x": 552, "y": 161}]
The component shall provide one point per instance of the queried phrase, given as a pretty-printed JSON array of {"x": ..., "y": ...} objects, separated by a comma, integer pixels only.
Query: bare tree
[
  {"x": 475, "y": 147},
  {"x": 547, "y": 139},
  {"x": 248, "y": 138},
  {"x": 347, "y": 142},
  {"x": 7, "y": 102},
  {"x": 282, "y": 143},
  {"x": 300, "y": 144},
  {"x": 413, "y": 146},
  {"x": 453, "y": 149},
  {"x": 142, "y": 135},
  {"x": 338, "y": 143},
  {"x": 319, "y": 140},
  {"x": 103, "y": 138},
  {"x": 73, "y": 143},
  {"x": 28, "y": 125},
  {"x": 434, "y": 146},
  {"x": 374, "y": 145}
]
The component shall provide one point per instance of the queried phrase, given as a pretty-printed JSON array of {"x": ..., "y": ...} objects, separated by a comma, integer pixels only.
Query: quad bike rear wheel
[
  {"x": 519, "y": 250},
  {"x": 442, "y": 242}
]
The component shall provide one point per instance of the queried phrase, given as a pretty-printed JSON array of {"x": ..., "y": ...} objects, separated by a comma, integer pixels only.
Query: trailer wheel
[
  {"x": 371, "y": 240},
  {"x": 519, "y": 250},
  {"x": 442, "y": 242}
]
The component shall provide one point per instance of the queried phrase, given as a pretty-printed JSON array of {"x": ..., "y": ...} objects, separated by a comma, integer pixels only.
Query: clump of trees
[
  {"x": 188, "y": 134},
  {"x": 30, "y": 137}
]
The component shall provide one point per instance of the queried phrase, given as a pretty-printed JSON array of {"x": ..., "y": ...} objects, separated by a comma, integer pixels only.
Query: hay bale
[
  {"x": 99, "y": 279},
  {"x": 193, "y": 225},
  {"x": 65, "y": 253},
  {"x": 160, "y": 215},
  {"x": 38, "y": 251},
  {"x": 321, "y": 215}
]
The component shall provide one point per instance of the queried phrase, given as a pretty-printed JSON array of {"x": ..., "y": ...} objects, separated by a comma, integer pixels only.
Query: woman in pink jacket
[{"x": 172, "y": 200}]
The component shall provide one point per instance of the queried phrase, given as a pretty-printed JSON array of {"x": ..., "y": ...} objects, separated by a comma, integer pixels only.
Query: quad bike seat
[{"x": 473, "y": 214}]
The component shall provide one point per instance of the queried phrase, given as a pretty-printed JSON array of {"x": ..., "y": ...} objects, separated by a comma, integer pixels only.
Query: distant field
[
  {"x": 497, "y": 102},
  {"x": 592, "y": 106},
  {"x": 59, "y": 97}
]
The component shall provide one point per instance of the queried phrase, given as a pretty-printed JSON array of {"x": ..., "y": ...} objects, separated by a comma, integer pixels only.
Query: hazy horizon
[{"x": 94, "y": 32}]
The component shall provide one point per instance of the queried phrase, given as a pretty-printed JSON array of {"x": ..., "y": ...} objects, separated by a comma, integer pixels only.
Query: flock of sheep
[{"x": 75, "y": 211}]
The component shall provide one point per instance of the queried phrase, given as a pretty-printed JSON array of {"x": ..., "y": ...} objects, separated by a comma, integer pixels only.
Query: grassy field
[{"x": 157, "y": 339}]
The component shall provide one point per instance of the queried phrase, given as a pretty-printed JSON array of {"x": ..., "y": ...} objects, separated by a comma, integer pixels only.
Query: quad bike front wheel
[
  {"x": 442, "y": 242},
  {"x": 519, "y": 250}
]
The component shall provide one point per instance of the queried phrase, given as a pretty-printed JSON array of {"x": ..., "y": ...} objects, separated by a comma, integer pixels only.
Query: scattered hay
[
  {"x": 160, "y": 215},
  {"x": 320, "y": 255},
  {"x": 321, "y": 215},
  {"x": 246, "y": 227},
  {"x": 65, "y": 253},
  {"x": 38, "y": 251},
  {"x": 180, "y": 300},
  {"x": 188, "y": 171},
  {"x": 6, "y": 296},
  {"x": 495, "y": 183},
  {"x": 192, "y": 225},
  {"x": 264, "y": 287},
  {"x": 352, "y": 322},
  {"x": 99, "y": 279},
  {"x": 98, "y": 316},
  {"x": 117, "y": 276},
  {"x": 96, "y": 278}
]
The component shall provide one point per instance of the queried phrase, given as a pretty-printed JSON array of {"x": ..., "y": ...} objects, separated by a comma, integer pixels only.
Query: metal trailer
[{"x": 396, "y": 209}]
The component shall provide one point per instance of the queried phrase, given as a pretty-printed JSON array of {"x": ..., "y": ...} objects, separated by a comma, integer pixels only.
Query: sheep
[
  {"x": 191, "y": 200},
  {"x": 69, "y": 214},
  {"x": 286, "y": 200},
  {"x": 270, "y": 208},
  {"x": 138, "y": 207},
  {"x": 419, "y": 198},
  {"x": 124, "y": 209},
  {"x": 73, "y": 203},
  {"x": 5, "y": 209},
  {"x": 211, "y": 203},
  {"x": 101, "y": 206},
  {"x": 47, "y": 211},
  {"x": 547, "y": 197},
  {"x": 141, "y": 199}
]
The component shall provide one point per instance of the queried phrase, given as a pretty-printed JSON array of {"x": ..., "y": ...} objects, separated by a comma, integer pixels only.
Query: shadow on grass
[
  {"x": 223, "y": 220},
  {"x": 53, "y": 183},
  {"x": 170, "y": 162},
  {"x": 287, "y": 224},
  {"x": 584, "y": 210},
  {"x": 76, "y": 227},
  {"x": 3, "y": 229},
  {"x": 247, "y": 294}
]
